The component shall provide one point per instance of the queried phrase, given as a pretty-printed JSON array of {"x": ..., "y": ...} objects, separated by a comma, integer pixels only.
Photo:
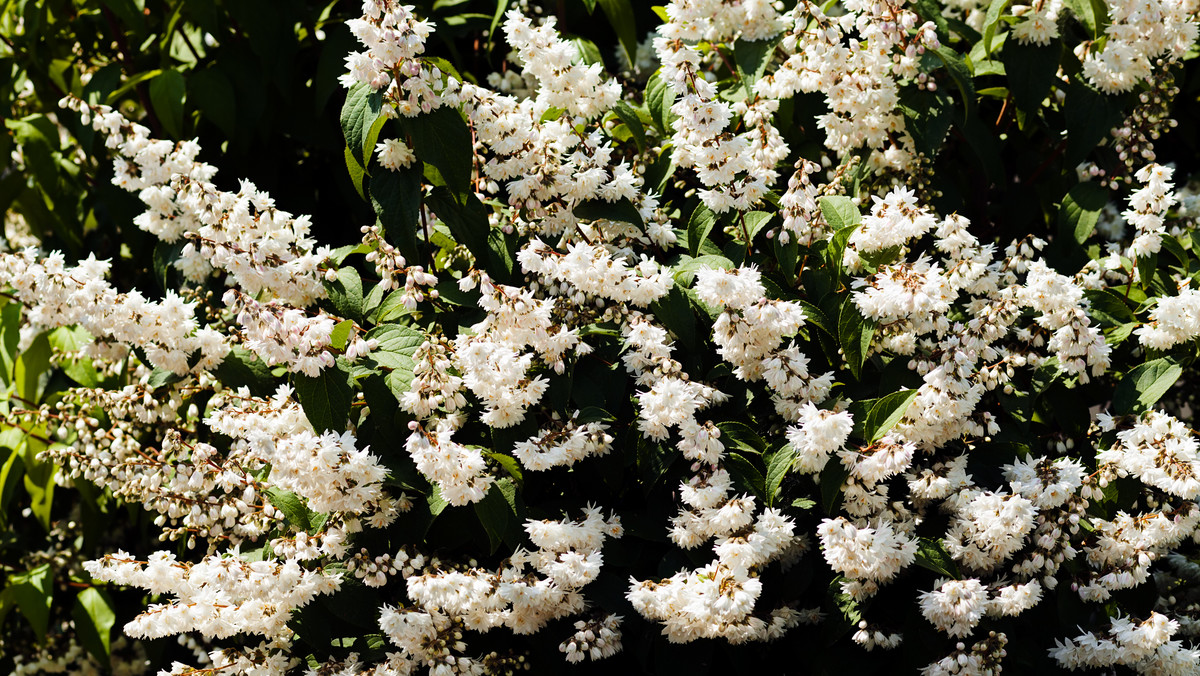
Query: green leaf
[
  {"x": 292, "y": 506},
  {"x": 94, "y": 619},
  {"x": 699, "y": 226},
  {"x": 928, "y": 118},
  {"x": 326, "y": 399},
  {"x": 621, "y": 210},
  {"x": 1090, "y": 117},
  {"x": 243, "y": 368},
  {"x": 839, "y": 211},
  {"x": 630, "y": 117},
  {"x": 396, "y": 196},
  {"x": 497, "y": 515},
  {"x": 588, "y": 52},
  {"x": 32, "y": 369},
  {"x": 1145, "y": 385},
  {"x": 659, "y": 98},
  {"x": 362, "y": 107},
  {"x": 1085, "y": 11},
  {"x": 161, "y": 377},
  {"x": 803, "y": 503},
  {"x": 741, "y": 436},
  {"x": 961, "y": 74},
  {"x": 756, "y": 221},
  {"x": 167, "y": 93},
  {"x": 442, "y": 138},
  {"x": 745, "y": 474},
  {"x": 1081, "y": 209},
  {"x": 397, "y": 345},
  {"x": 653, "y": 461},
  {"x": 752, "y": 59},
  {"x": 1031, "y": 71},
  {"x": 341, "y": 334},
  {"x": 832, "y": 478},
  {"x": 1108, "y": 308},
  {"x": 32, "y": 592},
  {"x": 886, "y": 412},
  {"x": 10, "y": 337},
  {"x": 214, "y": 95},
  {"x": 346, "y": 293},
  {"x": 357, "y": 173},
  {"x": 932, "y": 555},
  {"x": 854, "y": 334},
  {"x": 467, "y": 220},
  {"x": 991, "y": 21},
  {"x": 779, "y": 462},
  {"x": 621, "y": 18}
]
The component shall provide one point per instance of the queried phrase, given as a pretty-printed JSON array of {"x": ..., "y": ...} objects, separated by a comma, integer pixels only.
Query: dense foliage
[{"x": 722, "y": 335}]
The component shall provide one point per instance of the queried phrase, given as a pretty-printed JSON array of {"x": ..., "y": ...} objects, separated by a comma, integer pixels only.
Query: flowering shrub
[{"x": 790, "y": 327}]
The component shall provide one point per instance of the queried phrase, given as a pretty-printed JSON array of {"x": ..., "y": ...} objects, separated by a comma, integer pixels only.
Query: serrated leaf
[
  {"x": 360, "y": 111},
  {"x": 745, "y": 474},
  {"x": 326, "y": 398},
  {"x": 441, "y": 138},
  {"x": 292, "y": 506},
  {"x": 830, "y": 483},
  {"x": 659, "y": 98},
  {"x": 962, "y": 76},
  {"x": 621, "y": 210},
  {"x": 779, "y": 462},
  {"x": 32, "y": 592},
  {"x": 740, "y": 435},
  {"x": 653, "y": 461},
  {"x": 755, "y": 222},
  {"x": 1031, "y": 71},
  {"x": 630, "y": 117},
  {"x": 752, "y": 58},
  {"x": 1081, "y": 209},
  {"x": 932, "y": 555},
  {"x": 397, "y": 345},
  {"x": 854, "y": 335},
  {"x": 803, "y": 503},
  {"x": 886, "y": 412},
  {"x": 699, "y": 226},
  {"x": 346, "y": 293},
  {"x": 839, "y": 211},
  {"x": 1142, "y": 387},
  {"x": 243, "y": 368},
  {"x": 1108, "y": 308}
]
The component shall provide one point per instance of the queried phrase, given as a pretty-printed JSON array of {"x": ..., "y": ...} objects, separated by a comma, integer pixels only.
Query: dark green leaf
[
  {"x": 699, "y": 226},
  {"x": 1145, "y": 385},
  {"x": 756, "y": 221},
  {"x": 94, "y": 619},
  {"x": 854, "y": 334},
  {"x": 32, "y": 592},
  {"x": 621, "y": 18},
  {"x": 886, "y": 412},
  {"x": 326, "y": 399},
  {"x": 243, "y": 368},
  {"x": 167, "y": 92},
  {"x": 832, "y": 478},
  {"x": 745, "y": 475},
  {"x": 659, "y": 98},
  {"x": 932, "y": 555},
  {"x": 442, "y": 138},
  {"x": 779, "y": 462},
  {"x": 741, "y": 436},
  {"x": 1081, "y": 209},
  {"x": 213, "y": 94},
  {"x": 1108, "y": 308},
  {"x": 621, "y": 210},
  {"x": 346, "y": 293},
  {"x": 752, "y": 58},
  {"x": 630, "y": 117},
  {"x": 1031, "y": 72}
]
